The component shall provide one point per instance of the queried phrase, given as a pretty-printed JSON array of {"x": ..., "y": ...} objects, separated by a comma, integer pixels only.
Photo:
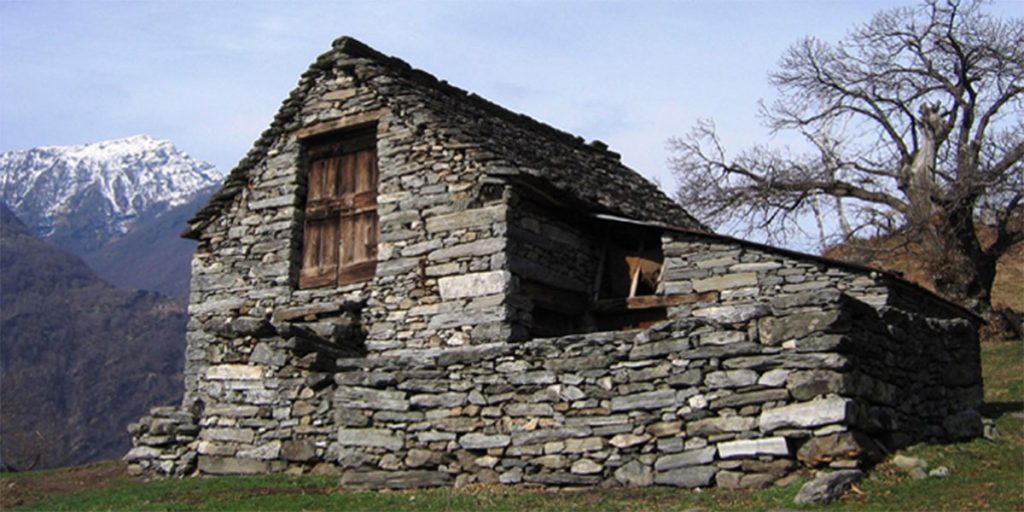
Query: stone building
[{"x": 407, "y": 285}]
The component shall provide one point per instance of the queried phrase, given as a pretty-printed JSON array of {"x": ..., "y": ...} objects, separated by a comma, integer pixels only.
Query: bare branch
[{"x": 911, "y": 124}]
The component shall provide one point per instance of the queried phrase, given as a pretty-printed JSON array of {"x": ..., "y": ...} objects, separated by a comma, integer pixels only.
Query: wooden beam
[{"x": 653, "y": 301}]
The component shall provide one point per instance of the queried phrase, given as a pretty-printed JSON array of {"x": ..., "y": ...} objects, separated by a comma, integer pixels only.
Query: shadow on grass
[{"x": 996, "y": 410}]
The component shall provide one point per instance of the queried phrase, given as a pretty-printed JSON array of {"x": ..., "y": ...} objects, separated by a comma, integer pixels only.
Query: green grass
[{"x": 986, "y": 475}]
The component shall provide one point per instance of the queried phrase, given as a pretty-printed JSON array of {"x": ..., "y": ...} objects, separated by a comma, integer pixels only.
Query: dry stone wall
[{"x": 737, "y": 389}]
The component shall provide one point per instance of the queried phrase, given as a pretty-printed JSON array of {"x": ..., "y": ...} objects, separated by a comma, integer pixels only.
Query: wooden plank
[
  {"x": 357, "y": 272},
  {"x": 310, "y": 245},
  {"x": 329, "y": 244},
  {"x": 317, "y": 277},
  {"x": 365, "y": 119},
  {"x": 653, "y": 301},
  {"x": 332, "y": 177},
  {"x": 315, "y": 181}
]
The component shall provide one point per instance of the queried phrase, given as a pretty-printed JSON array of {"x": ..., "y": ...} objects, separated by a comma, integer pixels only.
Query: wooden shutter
[{"x": 340, "y": 235}]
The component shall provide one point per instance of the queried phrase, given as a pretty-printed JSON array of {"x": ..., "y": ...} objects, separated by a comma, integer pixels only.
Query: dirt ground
[{"x": 18, "y": 490}]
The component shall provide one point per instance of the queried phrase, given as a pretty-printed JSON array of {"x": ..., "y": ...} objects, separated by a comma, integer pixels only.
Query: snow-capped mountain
[{"x": 83, "y": 196}]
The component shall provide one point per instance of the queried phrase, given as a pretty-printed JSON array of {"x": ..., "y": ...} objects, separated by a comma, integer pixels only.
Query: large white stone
[
  {"x": 753, "y": 447},
  {"x": 807, "y": 414},
  {"x": 370, "y": 437},
  {"x": 726, "y": 281},
  {"x": 473, "y": 285},
  {"x": 234, "y": 372}
]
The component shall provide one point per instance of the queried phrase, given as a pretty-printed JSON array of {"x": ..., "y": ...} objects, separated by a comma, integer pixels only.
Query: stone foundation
[{"x": 737, "y": 402}]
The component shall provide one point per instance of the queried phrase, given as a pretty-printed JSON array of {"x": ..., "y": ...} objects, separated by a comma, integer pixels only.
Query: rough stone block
[
  {"x": 237, "y": 435},
  {"x": 521, "y": 438},
  {"x": 443, "y": 400},
  {"x": 809, "y": 384},
  {"x": 395, "y": 479},
  {"x": 484, "y": 441},
  {"x": 753, "y": 447},
  {"x": 658, "y": 348},
  {"x": 821, "y": 451},
  {"x": 688, "y": 477},
  {"x": 234, "y": 466},
  {"x": 142, "y": 453},
  {"x": 521, "y": 409},
  {"x": 725, "y": 282},
  {"x": 635, "y": 474},
  {"x": 732, "y": 314},
  {"x": 775, "y": 330},
  {"x": 298, "y": 451},
  {"x": 647, "y": 400},
  {"x": 477, "y": 217},
  {"x": 587, "y": 444},
  {"x": 563, "y": 479},
  {"x": 827, "y": 487},
  {"x": 807, "y": 414},
  {"x": 483, "y": 247},
  {"x": 370, "y": 437},
  {"x": 266, "y": 451},
  {"x": 730, "y": 379},
  {"x": 234, "y": 372},
  {"x": 720, "y": 424},
  {"x": 621, "y": 441},
  {"x": 688, "y": 458},
  {"x": 373, "y": 399},
  {"x": 585, "y": 467},
  {"x": 478, "y": 284},
  {"x": 752, "y": 397}
]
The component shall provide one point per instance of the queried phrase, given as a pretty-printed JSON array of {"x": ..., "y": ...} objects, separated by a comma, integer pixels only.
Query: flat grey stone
[
  {"x": 373, "y": 399},
  {"x": 635, "y": 474},
  {"x": 730, "y": 379},
  {"x": 688, "y": 458},
  {"x": 647, "y": 400},
  {"x": 807, "y": 414},
  {"x": 298, "y": 451},
  {"x": 233, "y": 466},
  {"x": 775, "y": 330},
  {"x": 748, "y": 448},
  {"x": 732, "y": 314},
  {"x": 827, "y": 487},
  {"x": 688, "y": 477},
  {"x": 474, "y": 285},
  {"x": 720, "y": 424},
  {"x": 395, "y": 479},
  {"x": 726, "y": 281},
  {"x": 439, "y": 400},
  {"x": 484, "y": 441},
  {"x": 370, "y": 437}
]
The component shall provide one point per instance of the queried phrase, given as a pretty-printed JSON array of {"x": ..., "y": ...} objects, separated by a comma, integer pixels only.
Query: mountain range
[
  {"x": 119, "y": 205},
  {"x": 93, "y": 287}
]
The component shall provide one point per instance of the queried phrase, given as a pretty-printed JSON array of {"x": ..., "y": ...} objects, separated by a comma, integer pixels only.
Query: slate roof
[{"x": 589, "y": 172}]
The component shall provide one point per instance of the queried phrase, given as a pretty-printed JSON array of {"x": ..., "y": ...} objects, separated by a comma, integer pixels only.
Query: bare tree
[{"x": 913, "y": 125}]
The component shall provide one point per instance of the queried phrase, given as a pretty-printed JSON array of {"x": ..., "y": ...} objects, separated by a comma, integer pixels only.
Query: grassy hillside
[
  {"x": 79, "y": 358},
  {"x": 985, "y": 475}
]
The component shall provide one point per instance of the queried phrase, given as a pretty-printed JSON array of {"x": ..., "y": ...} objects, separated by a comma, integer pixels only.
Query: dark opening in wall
[
  {"x": 632, "y": 264},
  {"x": 622, "y": 292}
]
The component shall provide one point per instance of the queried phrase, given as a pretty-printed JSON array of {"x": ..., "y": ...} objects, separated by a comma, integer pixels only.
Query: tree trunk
[{"x": 963, "y": 272}]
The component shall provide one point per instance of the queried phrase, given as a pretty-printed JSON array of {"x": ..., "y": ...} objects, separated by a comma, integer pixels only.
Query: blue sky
[{"x": 209, "y": 75}]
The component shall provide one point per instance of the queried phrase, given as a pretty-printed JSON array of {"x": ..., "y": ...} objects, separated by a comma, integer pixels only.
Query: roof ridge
[
  {"x": 356, "y": 48},
  {"x": 348, "y": 46}
]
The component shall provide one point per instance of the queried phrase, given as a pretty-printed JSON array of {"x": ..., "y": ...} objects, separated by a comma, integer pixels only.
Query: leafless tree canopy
[{"x": 914, "y": 124}]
